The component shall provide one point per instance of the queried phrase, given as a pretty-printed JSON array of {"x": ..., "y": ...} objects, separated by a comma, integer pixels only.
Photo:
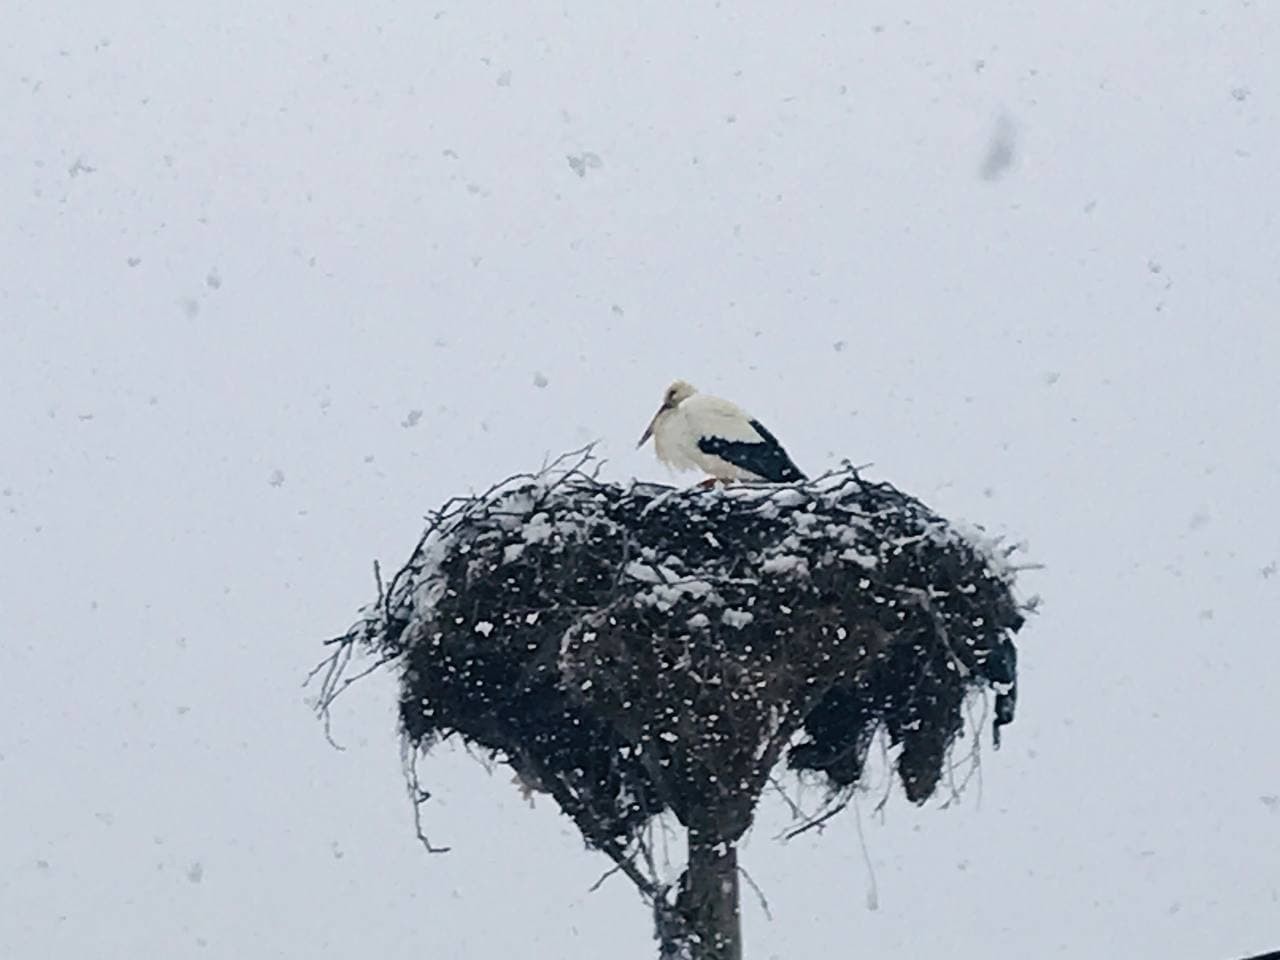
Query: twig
[
  {"x": 764, "y": 904},
  {"x": 888, "y": 781},
  {"x": 615, "y": 869},
  {"x": 384, "y": 601},
  {"x": 419, "y": 796},
  {"x": 873, "y": 895},
  {"x": 974, "y": 757},
  {"x": 336, "y": 664},
  {"x": 796, "y": 812},
  {"x": 312, "y": 673},
  {"x": 818, "y": 823},
  {"x": 348, "y": 681}
]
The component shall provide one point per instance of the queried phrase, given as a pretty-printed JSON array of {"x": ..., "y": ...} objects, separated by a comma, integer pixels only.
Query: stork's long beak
[{"x": 648, "y": 431}]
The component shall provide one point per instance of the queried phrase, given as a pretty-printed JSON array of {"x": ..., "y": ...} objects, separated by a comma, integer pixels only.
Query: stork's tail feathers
[{"x": 766, "y": 459}]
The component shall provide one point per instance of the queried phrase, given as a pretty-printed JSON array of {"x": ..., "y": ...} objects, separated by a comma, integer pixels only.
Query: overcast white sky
[{"x": 273, "y": 284}]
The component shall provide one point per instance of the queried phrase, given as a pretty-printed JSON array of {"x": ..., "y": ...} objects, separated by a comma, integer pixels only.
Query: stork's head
[{"x": 675, "y": 394}]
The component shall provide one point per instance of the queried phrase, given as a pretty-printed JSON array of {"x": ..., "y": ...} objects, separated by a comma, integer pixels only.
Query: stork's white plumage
[{"x": 693, "y": 431}]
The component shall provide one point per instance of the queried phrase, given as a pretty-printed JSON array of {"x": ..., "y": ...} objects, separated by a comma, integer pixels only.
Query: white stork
[{"x": 694, "y": 431}]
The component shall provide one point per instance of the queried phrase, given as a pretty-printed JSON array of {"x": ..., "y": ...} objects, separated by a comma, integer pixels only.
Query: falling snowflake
[{"x": 582, "y": 162}]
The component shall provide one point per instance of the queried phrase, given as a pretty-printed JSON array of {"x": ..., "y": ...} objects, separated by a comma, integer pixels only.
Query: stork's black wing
[{"x": 766, "y": 458}]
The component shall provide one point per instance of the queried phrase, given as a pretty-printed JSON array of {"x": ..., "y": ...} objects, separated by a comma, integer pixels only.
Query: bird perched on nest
[{"x": 693, "y": 431}]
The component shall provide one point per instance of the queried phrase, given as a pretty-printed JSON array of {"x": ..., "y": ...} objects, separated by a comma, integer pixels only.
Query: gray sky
[{"x": 277, "y": 283}]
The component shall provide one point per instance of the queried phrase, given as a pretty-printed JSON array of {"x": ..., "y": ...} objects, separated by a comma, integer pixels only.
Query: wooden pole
[{"x": 711, "y": 898}]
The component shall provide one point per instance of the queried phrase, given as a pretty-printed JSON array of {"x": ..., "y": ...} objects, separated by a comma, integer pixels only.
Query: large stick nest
[{"x": 636, "y": 648}]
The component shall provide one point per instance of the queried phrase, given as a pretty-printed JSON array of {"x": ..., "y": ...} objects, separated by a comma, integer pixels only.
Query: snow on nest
[
  {"x": 665, "y": 596},
  {"x": 994, "y": 549},
  {"x": 824, "y": 528}
]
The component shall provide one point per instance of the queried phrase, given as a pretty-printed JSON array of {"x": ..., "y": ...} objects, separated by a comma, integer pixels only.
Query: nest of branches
[{"x": 634, "y": 649}]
